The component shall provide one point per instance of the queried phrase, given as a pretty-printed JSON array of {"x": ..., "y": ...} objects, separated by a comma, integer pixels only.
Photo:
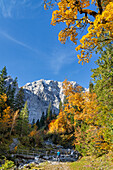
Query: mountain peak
[{"x": 40, "y": 93}]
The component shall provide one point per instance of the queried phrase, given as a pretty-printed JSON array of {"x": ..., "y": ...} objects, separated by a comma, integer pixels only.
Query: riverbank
[
  {"x": 104, "y": 162},
  {"x": 45, "y": 159}
]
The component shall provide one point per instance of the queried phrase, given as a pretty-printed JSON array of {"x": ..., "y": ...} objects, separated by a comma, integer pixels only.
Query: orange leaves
[
  {"x": 85, "y": 3},
  {"x": 88, "y": 120},
  {"x": 100, "y": 28},
  {"x": 68, "y": 32},
  {"x": 33, "y": 132},
  {"x": 82, "y": 104},
  {"x": 3, "y": 99},
  {"x": 5, "y": 114},
  {"x": 68, "y": 89}
]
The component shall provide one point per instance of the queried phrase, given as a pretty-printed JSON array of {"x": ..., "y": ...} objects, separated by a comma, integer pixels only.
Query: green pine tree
[
  {"x": 38, "y": 124},
  {"x": 11, "y": 89},
  {"x": 19, "y": 100},
  {"x": 49, "y": 112},
  {"x": 91, "y": 86},
  {"x": 3, "y": 77},
  {"x": 60, "y": 106},
  {"x": 42, "y": 120},
  {"x": 33, "y": 122},
  {"x": 103, "y": 77},
  {"x": 23, "y": 121}
]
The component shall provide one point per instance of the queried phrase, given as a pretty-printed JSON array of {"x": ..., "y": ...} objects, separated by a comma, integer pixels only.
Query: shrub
[{"x": 7, "y": 165}]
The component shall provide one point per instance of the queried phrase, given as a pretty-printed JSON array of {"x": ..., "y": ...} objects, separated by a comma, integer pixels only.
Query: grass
[{"x": 104, "y": 162}]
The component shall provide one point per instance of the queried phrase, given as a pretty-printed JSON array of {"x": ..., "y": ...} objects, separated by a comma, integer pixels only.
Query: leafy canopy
[
  {"x": 91, "y": 125},
  {"x": 78, "y": 15}
]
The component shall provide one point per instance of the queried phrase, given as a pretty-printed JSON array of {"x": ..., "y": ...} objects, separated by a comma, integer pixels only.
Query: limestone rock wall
[{"x": 40, "y": 93}]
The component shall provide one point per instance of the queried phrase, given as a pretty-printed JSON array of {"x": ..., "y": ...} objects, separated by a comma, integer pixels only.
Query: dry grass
[
  {"x": 91, "y": 163},
  {"x": 104, "y": 162}
]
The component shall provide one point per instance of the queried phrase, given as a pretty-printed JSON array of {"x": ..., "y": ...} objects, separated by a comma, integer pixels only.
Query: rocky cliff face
[{"x": 40, "y": 93}]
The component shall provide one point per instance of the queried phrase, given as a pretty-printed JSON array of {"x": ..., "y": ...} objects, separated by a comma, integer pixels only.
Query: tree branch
[
  {"x": 99, "y": 6},
  {"x": 87, "y": 11}
]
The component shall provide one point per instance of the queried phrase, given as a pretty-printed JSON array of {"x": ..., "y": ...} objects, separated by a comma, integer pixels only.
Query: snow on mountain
[{"x": 40, "y": 93}]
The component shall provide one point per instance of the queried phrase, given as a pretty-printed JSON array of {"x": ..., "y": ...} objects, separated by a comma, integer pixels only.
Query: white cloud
[
  {"x": 6, "y": 8},
  {"x": 18, "y": 8},
  {"x": 14, "y": 40},
  {"x": 61, "y": 58}
]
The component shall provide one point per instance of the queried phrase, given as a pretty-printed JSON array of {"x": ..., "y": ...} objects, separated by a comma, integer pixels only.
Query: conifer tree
[
  {"x": 19, "y": 100},
  {"x": 91, "y": 87},
  {"x": 49, "y": 112},
  {"x": 42, "y": 120},
  {"x": 60, "y": 106},
  {"x": 11, "y": 89},
  {"x": 38, "y": 124},
  {"x": 33, "y": 122},
  {"x": 23, "y": 122},
  {"x": 3, "y": 77},
  {"x": 103, "y": 77}
]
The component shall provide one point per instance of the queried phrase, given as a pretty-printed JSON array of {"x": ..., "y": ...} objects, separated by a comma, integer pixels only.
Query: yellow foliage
[
  {"x": 33, "y": 132},
  {"x": 85, "y": 109},
  {"x": 5, "y": 114},
  {"x": 15, "y": 148},
  {"x": 103, "y": 24},
  {"x": 99, "y": 27}
]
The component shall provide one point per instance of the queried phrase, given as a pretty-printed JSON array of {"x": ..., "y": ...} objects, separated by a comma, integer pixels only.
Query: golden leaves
[
  {"x": 101, "y": 26},
  {"x": 91, "y": 120},
  {"x": 5, "y": 114}
]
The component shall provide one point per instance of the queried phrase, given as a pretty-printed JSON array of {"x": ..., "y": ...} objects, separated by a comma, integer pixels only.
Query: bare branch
[
  {"x": 87, "y": 11},
  {"x": 99, "y": 6}
]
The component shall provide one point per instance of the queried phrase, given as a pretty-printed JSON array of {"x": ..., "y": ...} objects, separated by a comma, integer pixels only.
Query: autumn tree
[
  {"x": 14, "y": 119},
  {"x": 5, "y": 115},
  {"x": 91, "y": 123},
  {"x": 79, "y": 15},
  {"x": 35, "y": 137},
  {"x": 32, "y": 135}
]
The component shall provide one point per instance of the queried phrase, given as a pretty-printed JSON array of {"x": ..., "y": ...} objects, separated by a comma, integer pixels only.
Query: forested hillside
[{"x": 85, "y": 119}]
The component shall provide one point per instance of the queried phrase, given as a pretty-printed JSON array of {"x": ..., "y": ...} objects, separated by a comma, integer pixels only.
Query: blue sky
[{"x": 29, "y": 46}]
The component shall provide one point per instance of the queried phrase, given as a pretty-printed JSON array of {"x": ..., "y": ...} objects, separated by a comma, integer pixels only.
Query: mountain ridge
[{"x": 40, "y": 93}]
